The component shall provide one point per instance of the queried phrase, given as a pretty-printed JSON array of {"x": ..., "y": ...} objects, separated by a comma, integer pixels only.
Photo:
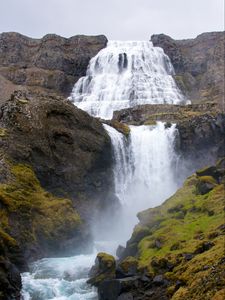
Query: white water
[
  {"x": 144, "y": 163},
  {"x": 144, "y": 170},
  {"x": 125, "y": 74}
]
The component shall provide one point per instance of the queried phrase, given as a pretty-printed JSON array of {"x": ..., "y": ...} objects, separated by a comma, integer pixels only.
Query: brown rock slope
[{"x": 52, "y": 63}]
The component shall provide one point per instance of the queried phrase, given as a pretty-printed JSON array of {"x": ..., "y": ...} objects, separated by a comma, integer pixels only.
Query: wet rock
[
  {"x": 103, "y": 270},
  {"x": 10, "y": 281},
  {"x": 109, "y": 290},
  {"x": 126, "y": 296},
  {"x": 119, "y": 251}
]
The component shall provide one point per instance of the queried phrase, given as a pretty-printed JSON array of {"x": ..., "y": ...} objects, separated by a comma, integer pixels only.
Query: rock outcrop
[
  {"x": 55, "y": 178},
  {"x": 177, "y": 250},
  {"x": 199, "y": 65},
  {"x": 52, "y": 63}
]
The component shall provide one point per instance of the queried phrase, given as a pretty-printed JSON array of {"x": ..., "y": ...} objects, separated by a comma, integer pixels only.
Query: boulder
[
  {"x": 205, "y": 184},
  {"x": 103, "y": 270},
  {"x": 127, "y": 267}
]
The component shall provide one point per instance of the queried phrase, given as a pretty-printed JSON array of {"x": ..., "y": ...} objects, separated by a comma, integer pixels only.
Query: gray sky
[{"x": 117, "y": 19}]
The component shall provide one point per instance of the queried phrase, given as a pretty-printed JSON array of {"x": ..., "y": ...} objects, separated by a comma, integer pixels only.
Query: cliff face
[
  {"x": 52, "y": 63},
  {"x": 55, "y": 176},
  {"x": 199, "y": 65}
]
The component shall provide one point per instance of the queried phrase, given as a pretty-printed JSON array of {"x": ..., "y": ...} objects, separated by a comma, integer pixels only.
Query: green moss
[
  {"x": 23, "y": 101},
  {"x": 181, "y": 225},
  {"x": 207, "y": 179},
  {"x": 34, "y": 213},
  {"x": 121, "y": 127},
  {"x": 150, "y": 122},
  {"x": 128, "y": 264},
  {"x": 3, "y": 132}
]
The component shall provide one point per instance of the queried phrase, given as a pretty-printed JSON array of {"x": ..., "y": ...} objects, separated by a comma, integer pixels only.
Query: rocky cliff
[
  {"x": 55, "y": 178},
  {"x": 52, "y": 63},
  {"x": 199, "y": 65}
]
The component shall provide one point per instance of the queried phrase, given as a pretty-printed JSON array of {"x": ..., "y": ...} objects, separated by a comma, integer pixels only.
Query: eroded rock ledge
[{"x": 201, "y": 127}]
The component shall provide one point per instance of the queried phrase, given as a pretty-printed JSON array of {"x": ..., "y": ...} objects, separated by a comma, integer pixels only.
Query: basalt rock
[
  {"x": 52, "y": 63},
  {"x": 198, "y": 63},
  {"x": 69, "y": 151}
]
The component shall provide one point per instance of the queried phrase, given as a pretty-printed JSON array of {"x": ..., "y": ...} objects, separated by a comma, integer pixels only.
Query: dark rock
[
  {"x": 205, "y": 184},
  {"x": 52, "y": 63},
  {"x": 205, "y": 246},
  {"x": 10, "y": 281},
  {"x": 158, "y": 279},
  {"x": 119, "y": 251},
  {"x": 109, "y": 290},
  {"x": 126, "y": 296},
  {"x": 158, "y": 244},
  {"x": 198, "y": 64},
  {"x": 188, "y": 256},
  {"x": 68, "y": 149},
  {"x": 103, "y": 270}
]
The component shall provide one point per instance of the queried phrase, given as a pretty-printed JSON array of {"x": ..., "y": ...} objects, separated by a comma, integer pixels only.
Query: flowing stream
[{"x": 122, "y": 75}]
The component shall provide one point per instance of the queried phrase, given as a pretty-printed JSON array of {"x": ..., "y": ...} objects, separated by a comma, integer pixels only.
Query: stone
[
  {"x": 126, "y": 296},
  {"x": 103, "y": 270},
  {"x": 119, "y": 251}
]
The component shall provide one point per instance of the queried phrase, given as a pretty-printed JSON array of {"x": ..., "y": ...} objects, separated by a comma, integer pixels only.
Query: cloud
[{"x": 117, "y": 19}]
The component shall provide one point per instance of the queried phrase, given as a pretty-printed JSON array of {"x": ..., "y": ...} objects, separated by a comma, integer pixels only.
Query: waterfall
[
  {"x": 125, "y": 74},
  {"x": 122, "y": 75},
  {"x": 144, "y": 170}
]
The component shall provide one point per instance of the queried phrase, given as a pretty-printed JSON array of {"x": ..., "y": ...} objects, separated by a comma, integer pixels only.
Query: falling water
[
  {"x": 122, "y": 75},
  {"x": 125, "y": 74},
  {"x": 144, "y": 170}
]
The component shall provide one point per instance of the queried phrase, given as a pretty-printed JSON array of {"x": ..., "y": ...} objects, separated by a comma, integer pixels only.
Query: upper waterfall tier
[{"x": 125, "y": 74}]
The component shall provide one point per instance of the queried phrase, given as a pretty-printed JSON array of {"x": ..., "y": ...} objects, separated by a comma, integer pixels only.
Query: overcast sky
[{"x": 117, "y": 19}]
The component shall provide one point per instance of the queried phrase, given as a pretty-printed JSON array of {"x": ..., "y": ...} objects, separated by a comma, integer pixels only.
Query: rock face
[
  {"x": 198, "y": 63},
  {"x": 52, "y": 63},
  {"x": 69, "y": 151},
  {"x": 46, "y": 138}
]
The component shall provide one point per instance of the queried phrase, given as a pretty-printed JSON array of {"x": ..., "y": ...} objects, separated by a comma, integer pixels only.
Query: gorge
[{"x": 137, "y": 159}]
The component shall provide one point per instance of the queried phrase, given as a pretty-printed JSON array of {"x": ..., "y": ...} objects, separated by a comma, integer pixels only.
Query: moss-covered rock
[
  {"x": 205, "y": 184},
  {"x": 129, "y": 266},
  {"x": 34, "y": 219},
  {"x": 190, "y": 249},
  {"x": 104, "y": 269}
]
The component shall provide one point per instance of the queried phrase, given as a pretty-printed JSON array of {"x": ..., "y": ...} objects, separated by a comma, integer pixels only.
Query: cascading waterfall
[
  {"x": 125, "y": 74},
  {"x": 122, "y": 75},
  {"x": 144, "y": 170}
]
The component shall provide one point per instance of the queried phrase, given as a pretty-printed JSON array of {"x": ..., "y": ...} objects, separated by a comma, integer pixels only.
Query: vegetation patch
[
  {"x": 32, "y": 216},
  {"x": 184, "y": 239}
]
